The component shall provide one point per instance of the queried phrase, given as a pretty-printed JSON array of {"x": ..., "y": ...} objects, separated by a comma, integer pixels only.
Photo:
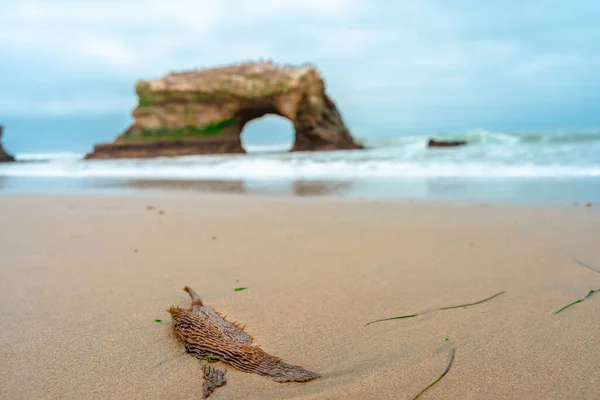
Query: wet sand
[{"x": 83, "y": 279}]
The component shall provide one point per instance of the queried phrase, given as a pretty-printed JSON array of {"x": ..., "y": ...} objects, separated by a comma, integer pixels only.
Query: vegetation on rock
[{"x": 184, "y": 132}]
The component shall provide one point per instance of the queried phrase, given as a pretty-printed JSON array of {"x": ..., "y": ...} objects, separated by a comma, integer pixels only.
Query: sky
[{"x": 68, "y": 67}]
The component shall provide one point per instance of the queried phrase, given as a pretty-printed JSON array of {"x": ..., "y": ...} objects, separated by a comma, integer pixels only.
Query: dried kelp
[{"x": 206, "y": 333}]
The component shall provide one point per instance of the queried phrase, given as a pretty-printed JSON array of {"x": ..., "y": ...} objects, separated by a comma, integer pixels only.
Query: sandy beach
[{"x": 83, "y": 280}]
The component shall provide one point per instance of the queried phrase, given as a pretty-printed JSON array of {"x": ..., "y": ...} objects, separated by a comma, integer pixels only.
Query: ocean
[{"x": 558, "y": 167}]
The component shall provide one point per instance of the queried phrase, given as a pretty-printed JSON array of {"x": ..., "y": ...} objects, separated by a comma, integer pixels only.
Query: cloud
[
  {"x": 90, "y": 104},
  {"x": 98, "y": 34},
  {"x": 53, "y": 42},
  {"x": 544, "y": 62},
  {"x": 418, "y": 55}
]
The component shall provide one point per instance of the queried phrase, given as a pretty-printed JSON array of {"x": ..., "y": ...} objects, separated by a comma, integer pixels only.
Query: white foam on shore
[
  {"x": 260, "y": 168},
  {"x": 488, "y": 155}
]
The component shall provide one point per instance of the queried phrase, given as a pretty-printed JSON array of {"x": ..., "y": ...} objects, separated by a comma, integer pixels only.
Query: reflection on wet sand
[
  {"x": 303, "y": 188},
  {"x": 564, "y": 191},
  {"x": 191, "y": 185},
  {"x": 295, "y": 188}
]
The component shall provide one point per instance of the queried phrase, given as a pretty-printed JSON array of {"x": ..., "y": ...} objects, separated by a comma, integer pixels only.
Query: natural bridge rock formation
[
  {"x": 4, "y": 156},
  {"x": 204, "y": 111}
]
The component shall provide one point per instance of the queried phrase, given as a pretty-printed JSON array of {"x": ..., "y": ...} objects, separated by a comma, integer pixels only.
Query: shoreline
[
  {"x": 186, "y": 195},
  {"x": 464, "y": 191}
]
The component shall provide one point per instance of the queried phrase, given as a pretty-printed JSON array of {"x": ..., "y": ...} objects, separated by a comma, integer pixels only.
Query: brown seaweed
[
  {"x": 206, "y": 333},
  {"x": 212, "y": 379}
]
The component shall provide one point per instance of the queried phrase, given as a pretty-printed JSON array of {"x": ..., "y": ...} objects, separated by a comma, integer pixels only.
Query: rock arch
[{"x": 205, "y": 111}]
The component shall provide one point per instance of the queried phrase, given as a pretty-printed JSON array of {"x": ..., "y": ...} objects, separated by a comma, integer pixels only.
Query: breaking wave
[
  {"x": 487, "y": 155},
  {"x": 485, "y": 137}
]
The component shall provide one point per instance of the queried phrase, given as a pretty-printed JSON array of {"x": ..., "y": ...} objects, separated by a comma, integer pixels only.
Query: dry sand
[{"x": 82, "y": 280}]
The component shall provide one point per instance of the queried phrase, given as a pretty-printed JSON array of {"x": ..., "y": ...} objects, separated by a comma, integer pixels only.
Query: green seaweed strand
[
  {"x": 471, "y": 304},
  {"x": 437, "y": 309},
  {"x": 452, "y": 353},
  {"x": 590, "y": 294},
  {"x": 391, "y": 318}
]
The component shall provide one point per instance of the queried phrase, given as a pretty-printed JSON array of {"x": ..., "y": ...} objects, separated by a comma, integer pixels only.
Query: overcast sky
[{"x": 393, "y": 66}]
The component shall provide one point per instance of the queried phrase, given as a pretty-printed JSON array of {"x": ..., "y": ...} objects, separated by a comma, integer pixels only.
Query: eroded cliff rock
[
  {"x": 4, "y": 156},
  {"x": 204, "y": 111}
]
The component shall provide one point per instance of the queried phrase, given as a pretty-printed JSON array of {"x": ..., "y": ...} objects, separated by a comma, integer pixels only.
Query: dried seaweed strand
[
  {"x": 437, "y": 309},
  {"x": 590, "y": 293},
  {"x": 452, "y": 352}
]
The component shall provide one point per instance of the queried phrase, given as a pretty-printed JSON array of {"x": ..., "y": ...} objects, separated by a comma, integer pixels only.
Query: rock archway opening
[{"x": 269, "y": 133}]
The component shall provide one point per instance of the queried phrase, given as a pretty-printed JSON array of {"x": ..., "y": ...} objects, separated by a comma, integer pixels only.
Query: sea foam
[{"x": 487, "y": 155}]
